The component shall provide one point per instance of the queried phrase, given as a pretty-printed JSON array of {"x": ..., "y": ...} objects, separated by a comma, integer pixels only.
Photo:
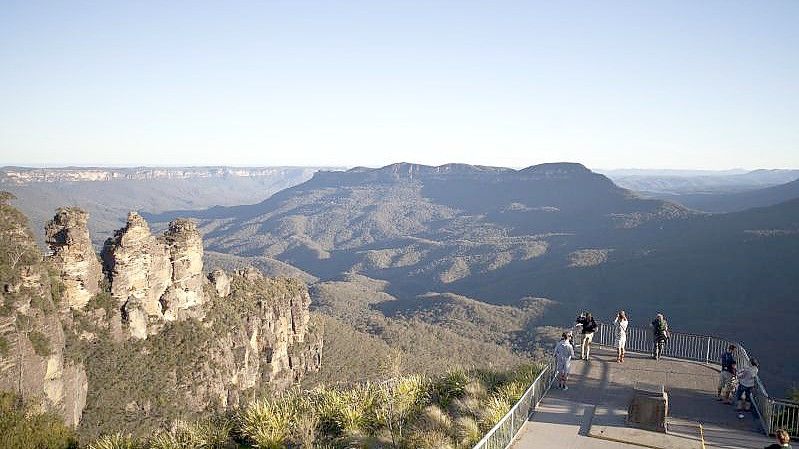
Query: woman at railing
[{"x": 620, "y": 328}]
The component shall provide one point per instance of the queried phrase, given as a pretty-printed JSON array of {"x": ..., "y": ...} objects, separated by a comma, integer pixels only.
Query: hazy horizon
[{"x": 346, "y": 167}]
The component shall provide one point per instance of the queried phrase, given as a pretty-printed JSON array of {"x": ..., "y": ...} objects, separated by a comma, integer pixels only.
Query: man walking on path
[
  {"x": 586, "y": 321},
  {"x": 660, "y": 333},
  {"x": 726, "y": 374}
]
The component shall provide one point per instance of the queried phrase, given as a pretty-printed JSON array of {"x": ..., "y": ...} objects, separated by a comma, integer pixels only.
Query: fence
[
  {"x": 774, "y": 413},
  {"x": 501, "y": 435}
]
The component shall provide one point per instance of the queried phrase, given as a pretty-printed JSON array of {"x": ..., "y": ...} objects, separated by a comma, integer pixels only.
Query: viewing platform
[{"x": 592, "y": 413}]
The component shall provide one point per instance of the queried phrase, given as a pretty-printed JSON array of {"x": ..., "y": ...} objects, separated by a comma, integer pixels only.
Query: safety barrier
[
  {"x": 501, "y": 435},
  {"x": 774, "y": 413}
]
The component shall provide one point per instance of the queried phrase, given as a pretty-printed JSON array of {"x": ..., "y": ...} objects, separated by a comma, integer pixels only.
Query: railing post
[{"x": 707, "y": 355}]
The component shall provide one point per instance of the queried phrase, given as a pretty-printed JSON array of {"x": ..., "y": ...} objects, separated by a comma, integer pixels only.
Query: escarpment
[
  {"x": 33, "y": 363},
  {"x": 143, "y": 337}
]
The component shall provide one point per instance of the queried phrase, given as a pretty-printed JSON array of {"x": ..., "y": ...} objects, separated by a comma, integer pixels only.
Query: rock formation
[
  {"x": 186, "y": 256},
  {"x": 154, "y": 278},
  {"x": 32, "y": 340},
  {"x": 73, "y": 255},
  {"x": 207, "y": 343}
]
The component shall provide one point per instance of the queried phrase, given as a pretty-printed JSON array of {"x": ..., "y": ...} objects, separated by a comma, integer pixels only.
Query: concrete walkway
[{"x": 595, "y": 405}]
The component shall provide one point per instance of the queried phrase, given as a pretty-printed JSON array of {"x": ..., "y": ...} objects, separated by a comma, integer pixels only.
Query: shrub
[
  {"x": 206, "y": 434},
  {"x": 40, "y": 343},
  {"x": 493, "y": 409},
  {"x": 467, "y": 431},
  {"x": 116, "y": 441},
  {"x": 451, "y": 386},
  {"x": 5, "y": 346},
  {"x": 23, "y": 427},
  {"x": 267, "y": 423}
]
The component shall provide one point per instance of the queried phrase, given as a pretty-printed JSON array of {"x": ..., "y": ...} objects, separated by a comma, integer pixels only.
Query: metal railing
[
  {"x": 774, "y": 413},
  {"x": 502, "y": 434}
]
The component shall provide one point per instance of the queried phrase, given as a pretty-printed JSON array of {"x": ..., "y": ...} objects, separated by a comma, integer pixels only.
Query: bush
[
  {"x": 116, "y": 441},
  {"x": 267, "y": 423},
  {"x": 5, "y": 346},
  {"x": 23, "y": 427},
  {"x": 207, "y": 434},
  {"x": 40, "y": 343}
]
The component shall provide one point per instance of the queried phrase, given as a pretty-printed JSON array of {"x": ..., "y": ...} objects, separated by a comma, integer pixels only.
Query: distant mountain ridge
[
  {"x": 498, "y": 235},
  {"x": 108, "y": 194},
  {"x": 738, "y": 201},
  {"x": 28, "y": 175}
]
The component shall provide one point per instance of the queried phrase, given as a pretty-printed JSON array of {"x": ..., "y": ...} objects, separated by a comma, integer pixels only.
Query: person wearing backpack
[
  {"x": 588, "y": 327},
  {"x": 660, "y": 334}
]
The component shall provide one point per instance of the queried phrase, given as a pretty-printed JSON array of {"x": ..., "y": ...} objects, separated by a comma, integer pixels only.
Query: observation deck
[{"x": 592, "y": 413}]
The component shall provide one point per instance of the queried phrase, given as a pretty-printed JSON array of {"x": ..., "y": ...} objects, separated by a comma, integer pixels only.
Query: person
[
  {"x": 727, "y": 373},
  {"x": 746, "y": 383},
  {"x": 660, "y": 332},
  {"x": 564, "y": 352},
  {"x": 588, "y": 327},
  {"x": 732, "y": 386},
  {"x": 620, "y": 324},
  {"x": 783, "y": 440}
]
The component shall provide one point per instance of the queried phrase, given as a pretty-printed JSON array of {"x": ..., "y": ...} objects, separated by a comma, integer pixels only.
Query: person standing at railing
[
  {"x": 727, "y": 373},
  {"x": 620, "y": 327},
  {"x": 746, "y": 383},
  {"x": 588, "y": 327},
  {"x": 564, "y": 352},
  {"x": 660, "y": 334}
]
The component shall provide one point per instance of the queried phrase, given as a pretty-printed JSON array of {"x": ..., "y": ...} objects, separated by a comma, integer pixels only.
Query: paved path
[{"x": 600, "y": 389}]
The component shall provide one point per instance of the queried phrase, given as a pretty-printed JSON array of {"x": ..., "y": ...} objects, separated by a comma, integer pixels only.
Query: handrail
[
  {"x": 774, "y": 413},
  {"x": 501, "y": 435}
]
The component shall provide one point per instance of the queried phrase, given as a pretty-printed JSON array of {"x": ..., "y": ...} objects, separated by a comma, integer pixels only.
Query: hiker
[
  {"x": 588, "y": 327},
  {"x": 620, "y": 325},
  {"x": 564, "y": 352},
  {"x": 660, "y": 333},
  {"x": 746, "y": 383},
  {"x": 727, "y": 372},
  {"x": 783, "y": 440}
]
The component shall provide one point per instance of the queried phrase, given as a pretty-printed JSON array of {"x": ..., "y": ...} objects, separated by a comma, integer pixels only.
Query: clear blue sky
[{"x": 669, "y": 84}]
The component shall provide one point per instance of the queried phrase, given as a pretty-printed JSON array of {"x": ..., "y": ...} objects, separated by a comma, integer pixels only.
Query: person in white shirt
[
  {"x": 620, "y": 326},
  {"x": 564, "y": 352},
  {"x": 746, "y": 382}
]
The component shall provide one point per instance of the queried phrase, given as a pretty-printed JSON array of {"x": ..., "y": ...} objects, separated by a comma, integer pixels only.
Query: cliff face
[
  {"x": 155, "y": 279},
  {"x": 32, "y": 340},
  {"x": 157, "y": 340},
  {"x": 73, "y": 256}
]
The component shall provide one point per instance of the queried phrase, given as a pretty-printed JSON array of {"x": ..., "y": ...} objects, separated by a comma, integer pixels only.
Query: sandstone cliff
[
  {"x": 151, "y": 338},
  {"x": 155, "y": 279},
  {"x": 32, "y": 341},
  {"x": 73, "y": 256}
]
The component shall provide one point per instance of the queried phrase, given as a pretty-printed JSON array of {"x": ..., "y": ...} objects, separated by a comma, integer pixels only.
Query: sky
[{"x": 610, "y": 84}]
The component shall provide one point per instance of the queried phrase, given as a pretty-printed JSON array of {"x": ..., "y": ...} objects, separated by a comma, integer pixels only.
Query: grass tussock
[{"x": 450, "y": 411}]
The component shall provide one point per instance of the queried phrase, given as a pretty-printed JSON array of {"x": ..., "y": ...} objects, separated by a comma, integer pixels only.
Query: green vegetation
[
  {"x": 5, "y": 347},
  {"x": 22, "y": 426},
  {"x": 452, "y": 410},
  {"x": 40, "y": 343}
]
